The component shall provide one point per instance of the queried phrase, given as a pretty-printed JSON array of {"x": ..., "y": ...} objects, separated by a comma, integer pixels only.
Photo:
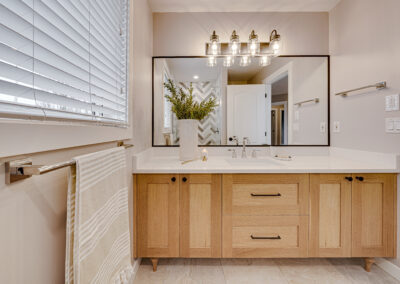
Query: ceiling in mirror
[
  {"x": 284, "y": 103},
  {"x": 242, "y": 6}
]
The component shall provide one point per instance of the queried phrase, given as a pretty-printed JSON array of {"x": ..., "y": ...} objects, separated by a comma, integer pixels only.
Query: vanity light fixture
[
  {"x": 212, "y": 61},
  {"x": 245, "y": 60},
  {"x": 253, "y": 47},
  {"x": 275, "y": 42},
  {"x": 234, "y": 48},
  {"x": 234, "y": 44},
  {"x": 215, "y": 44},
  {"x": 264, "y": 60},
  {"x": 228, "y": 61}
]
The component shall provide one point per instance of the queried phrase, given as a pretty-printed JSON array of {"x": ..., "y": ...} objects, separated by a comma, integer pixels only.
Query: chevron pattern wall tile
[{"x": 210, "y": 127}]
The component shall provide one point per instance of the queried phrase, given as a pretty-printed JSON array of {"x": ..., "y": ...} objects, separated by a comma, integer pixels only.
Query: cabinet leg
[
  {"x": 154, "y": 261},
  {"x": 368, "y": 263}
]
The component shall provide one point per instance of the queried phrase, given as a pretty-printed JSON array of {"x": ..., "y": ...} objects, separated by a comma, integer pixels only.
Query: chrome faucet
[{"x": 245, "y": 141}]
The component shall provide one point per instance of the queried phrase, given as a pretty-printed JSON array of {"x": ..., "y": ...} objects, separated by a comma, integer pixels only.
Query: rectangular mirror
[{"x": 284, "y": 103}]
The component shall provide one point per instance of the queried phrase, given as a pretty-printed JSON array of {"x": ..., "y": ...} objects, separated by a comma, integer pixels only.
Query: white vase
[{"x": 188, "y": 139}]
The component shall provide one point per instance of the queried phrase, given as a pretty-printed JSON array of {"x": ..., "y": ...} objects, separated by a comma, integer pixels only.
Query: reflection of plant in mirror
[{"x": 183, "y": 104}]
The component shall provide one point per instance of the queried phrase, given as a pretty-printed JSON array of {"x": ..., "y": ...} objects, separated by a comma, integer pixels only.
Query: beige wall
[
  {"x": 186, "y": 33},
  {"x": 365, "y": 49},
  {"x": 33, "y": 211}
]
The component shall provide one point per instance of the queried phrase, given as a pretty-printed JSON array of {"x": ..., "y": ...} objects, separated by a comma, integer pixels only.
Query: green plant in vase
[
  {"x": 188, "y": 112},
  {"x": 183, "y": 104}
]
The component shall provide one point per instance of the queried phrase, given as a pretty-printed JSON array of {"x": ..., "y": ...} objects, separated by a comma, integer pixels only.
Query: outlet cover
[
  {"x": 322, "y": 127},
  {"x": 336, "y": 126}
]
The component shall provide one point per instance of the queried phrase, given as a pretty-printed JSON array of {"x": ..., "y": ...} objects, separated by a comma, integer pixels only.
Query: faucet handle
[
  {"x": 234, "y": 155},
  {"x": 246, "y": 140}
]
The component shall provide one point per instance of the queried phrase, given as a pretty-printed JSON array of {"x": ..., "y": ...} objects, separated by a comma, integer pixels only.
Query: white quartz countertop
[{"x": 333, "y": 161}]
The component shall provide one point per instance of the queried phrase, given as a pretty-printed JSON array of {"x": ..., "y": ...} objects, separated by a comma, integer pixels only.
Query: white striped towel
[{"x": 98, "y": 240}]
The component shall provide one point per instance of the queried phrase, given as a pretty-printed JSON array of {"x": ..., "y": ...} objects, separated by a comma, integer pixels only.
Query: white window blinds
[{"x": 64, "y": 60}]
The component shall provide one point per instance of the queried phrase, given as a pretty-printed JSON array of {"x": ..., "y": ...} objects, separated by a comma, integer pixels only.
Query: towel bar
[
  {"x": 378, "y": 86},
  {"x": 21, "y": 169},
  {"x": 316, "y": 100}
]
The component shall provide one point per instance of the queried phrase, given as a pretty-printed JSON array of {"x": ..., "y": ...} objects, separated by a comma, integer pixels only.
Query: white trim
[
  {"x": 135, "y": 266},
  {"x": 277, "y": 75},
  {"x": 389, "y": 267}
]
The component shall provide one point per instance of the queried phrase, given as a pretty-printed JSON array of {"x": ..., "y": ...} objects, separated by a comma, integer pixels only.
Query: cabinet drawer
[
  {"x": 265, "y": 236},
  {"x": 265, "y": 194}
]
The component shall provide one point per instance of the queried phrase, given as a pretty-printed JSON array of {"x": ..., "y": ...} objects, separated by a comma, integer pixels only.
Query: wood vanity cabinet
[
  {"x": 178, "y": 215},
  {"x": 265, "y": 215},
  {"x": 200, "y": 215},
  {"x": 157, "y": 212},
  {"x": 330, "y": 215},
  {"x": 352, "y": 215},
  {"x": 374, "y": 202}
]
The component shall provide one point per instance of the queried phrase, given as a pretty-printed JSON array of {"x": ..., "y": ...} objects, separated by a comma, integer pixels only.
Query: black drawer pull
[
  {"x": 265, "y": 238},
  {"x": 184, "y": 179},
  {"x": 173, "y": 179},
  {"x": 270, "y": 195},
  {"x": 349, "y": 178},
  {"x": 360, "y": 178}
]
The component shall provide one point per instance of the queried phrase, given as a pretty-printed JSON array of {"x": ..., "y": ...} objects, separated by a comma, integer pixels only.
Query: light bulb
[
  {"x": 228, "y": 61},
  {"x": 253, "y": 44},
  {"x": 212, "y": 61},
  {"x": 214, "y": 48},
  {"x": 234, "y": 48},
  {"x": 265, "y": 60},
  {"x": 214, "y": 44},
  {"x": 245, "y": 61},
  {"x": 234, "y": 44}
]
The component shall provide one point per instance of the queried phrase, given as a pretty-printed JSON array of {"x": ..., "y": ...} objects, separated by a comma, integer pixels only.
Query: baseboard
[
  {"x": 136, "y": 264},
  {"x": 389, "y": 267}
]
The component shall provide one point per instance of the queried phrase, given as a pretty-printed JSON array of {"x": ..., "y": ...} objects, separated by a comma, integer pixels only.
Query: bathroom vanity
[
  {"x": 244, "y": 203},
  {"x": 320, "y": 206}
]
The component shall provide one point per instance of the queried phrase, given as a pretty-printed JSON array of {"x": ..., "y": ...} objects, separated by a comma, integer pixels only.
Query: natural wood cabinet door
[
  {"x": 158, "y": 215},
  {"x": 200, "y": 217},
  {"x": 373, "y": 215},
  {"x": 330, "y": 215}
]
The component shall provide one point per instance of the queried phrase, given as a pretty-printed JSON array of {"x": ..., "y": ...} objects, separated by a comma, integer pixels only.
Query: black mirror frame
[{"x": 310, "y": 145}]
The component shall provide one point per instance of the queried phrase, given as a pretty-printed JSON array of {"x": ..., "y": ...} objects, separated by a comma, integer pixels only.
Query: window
[{"x": 64, "y": 60}]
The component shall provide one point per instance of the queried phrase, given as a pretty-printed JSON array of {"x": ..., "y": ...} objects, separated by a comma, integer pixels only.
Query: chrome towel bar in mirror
[{"x": 316, "y": 100}]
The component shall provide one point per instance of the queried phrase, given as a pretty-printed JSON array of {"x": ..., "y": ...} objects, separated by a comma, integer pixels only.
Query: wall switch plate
[
  {"x": 392, "y": 125},
  {"x": 392, "y": 102},
  {"x": 336, "y": 126},
  {"x": 322, "y": 127},
  {"x": 296, "y": 115}
]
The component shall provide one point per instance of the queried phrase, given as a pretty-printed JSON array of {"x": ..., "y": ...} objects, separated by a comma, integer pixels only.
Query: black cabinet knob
[
  {"x": 184, "y": 179},
  {"x": 173, "y": 179},
  {"x": 349, "y": 178},
  {"x": 360, "y": 178}
]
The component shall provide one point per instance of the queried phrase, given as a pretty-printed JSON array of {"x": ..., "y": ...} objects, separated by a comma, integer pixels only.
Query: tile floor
[{"x": 254, "y": 271}]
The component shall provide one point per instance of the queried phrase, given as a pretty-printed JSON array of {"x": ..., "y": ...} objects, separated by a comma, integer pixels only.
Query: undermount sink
[{"x": 262, "y": 161}]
